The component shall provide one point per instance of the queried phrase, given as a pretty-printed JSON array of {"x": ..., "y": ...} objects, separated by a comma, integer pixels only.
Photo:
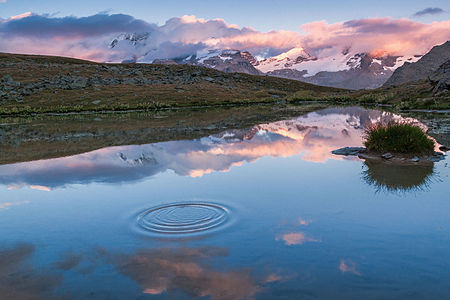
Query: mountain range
[{"x": 348, "y": 69}]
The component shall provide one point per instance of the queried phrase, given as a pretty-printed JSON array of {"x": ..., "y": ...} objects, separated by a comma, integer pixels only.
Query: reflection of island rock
[
  {"x": 399, "y": 176},
  {"x": 313, "y": 135}
]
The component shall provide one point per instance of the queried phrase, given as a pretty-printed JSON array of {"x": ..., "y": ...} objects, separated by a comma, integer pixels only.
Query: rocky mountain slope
[
  {"x": 440, "y": 79},
  {"x": 423, "y": 68}
]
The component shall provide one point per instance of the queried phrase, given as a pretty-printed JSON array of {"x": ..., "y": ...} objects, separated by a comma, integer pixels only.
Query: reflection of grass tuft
[
  {"x": 397, "y": 177},
  {"x": 398, "y": 137}
]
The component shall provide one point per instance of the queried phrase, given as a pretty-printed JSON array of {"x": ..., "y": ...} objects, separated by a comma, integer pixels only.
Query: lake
[{"x": 262, "y": 212}]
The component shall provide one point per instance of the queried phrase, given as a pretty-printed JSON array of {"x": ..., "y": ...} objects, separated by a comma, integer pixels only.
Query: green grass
[{"x": 398, "y": 138}]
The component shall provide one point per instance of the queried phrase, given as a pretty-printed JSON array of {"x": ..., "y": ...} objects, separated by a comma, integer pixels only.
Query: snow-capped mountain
[
  {"x": 226, "y": 60},
  {"x": 135, "y": 39},
  {"x": 345, "y": 69},
  {"x": 285, "y": 60},
  {"x": 230, "y": 61}
]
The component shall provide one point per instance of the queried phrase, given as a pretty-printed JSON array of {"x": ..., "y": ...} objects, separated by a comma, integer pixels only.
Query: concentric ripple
[{"x": 183, "y": 218}]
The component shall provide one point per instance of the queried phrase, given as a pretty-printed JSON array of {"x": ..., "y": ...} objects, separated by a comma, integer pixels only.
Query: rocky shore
[{"x": 363, "y": 153}]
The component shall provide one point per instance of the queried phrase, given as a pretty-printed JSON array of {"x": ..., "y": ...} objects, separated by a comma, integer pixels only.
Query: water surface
[{"x": 265, "y": 212}]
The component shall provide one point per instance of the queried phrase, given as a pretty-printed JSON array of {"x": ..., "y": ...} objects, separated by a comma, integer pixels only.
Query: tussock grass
[{"x": 399, "y": 138}]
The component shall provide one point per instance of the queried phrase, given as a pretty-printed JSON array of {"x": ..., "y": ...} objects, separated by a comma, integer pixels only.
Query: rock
[
  {"x": 129, "y": 81},
  {"x": 415, "y": 159},
  {"x": 387, "y": 156},
  {"x": 7, "y": 79},
  {"x": 114, "y": 69},
  {"x": 349, "y": 151}
]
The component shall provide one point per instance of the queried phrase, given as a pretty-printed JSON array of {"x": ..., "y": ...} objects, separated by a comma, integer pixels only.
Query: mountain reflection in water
[{"x": 313, "y": 136}]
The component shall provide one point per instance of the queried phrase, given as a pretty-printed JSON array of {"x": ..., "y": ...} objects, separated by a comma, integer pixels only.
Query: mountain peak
[{"x": 134, "y": 38}]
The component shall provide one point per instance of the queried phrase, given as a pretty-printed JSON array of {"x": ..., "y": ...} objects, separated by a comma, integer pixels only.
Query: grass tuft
[{"x": 398, "y": 137}]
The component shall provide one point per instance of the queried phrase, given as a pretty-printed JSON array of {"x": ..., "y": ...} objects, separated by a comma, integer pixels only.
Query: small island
[{"x": 395, "y": 141}]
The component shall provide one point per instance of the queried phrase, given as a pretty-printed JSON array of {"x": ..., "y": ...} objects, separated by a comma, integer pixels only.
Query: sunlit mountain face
[{"x": 313, "y": 136}]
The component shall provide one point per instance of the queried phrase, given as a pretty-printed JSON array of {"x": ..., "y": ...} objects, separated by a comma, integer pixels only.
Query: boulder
[
  {"x": 387, "y": 155},
  {"x": 7, "y": 79},
  {"x": 349, "y": 151}
]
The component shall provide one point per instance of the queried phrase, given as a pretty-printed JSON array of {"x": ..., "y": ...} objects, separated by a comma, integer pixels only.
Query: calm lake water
[{"x": 260, "y": 213}]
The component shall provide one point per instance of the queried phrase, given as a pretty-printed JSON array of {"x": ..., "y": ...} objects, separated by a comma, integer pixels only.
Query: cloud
[
  {"x": 429, "y": 11},
  {"x": 379, "y": 36},
  {"x": 3, "y": 1},
  {"x": 7, "y": 205},
  {"x": 90, "y": 37},
  {"x": 21, "y": 16},
  {"x": 85, "y": 37},
  {"x": 44, "y": 26}
]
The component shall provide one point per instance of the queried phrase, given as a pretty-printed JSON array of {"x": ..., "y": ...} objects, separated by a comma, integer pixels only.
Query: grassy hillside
[
  {"x": 34, "y": 84},
  {"x": 31, "y": 84}
]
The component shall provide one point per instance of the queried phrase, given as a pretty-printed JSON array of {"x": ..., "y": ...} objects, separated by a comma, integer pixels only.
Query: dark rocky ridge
[
  {"x": 441, "y": 79},
  {"x": 421, "y": 69}
]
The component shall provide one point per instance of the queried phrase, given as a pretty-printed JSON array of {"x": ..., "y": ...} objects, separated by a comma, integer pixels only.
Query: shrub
[{"x": 398, "y": 137}]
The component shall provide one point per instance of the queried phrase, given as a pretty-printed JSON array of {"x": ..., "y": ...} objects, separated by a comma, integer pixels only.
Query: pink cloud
[
  {"x": 89, "y": 37},
  {"x": 377, "y": 35},
  {"x": 21, "y": 16}
]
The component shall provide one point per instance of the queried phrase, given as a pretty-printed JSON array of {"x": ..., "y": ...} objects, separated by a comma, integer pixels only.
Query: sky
[
  {"x": 266, "y": 28},
  {"x": 263, "y": 15}
]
